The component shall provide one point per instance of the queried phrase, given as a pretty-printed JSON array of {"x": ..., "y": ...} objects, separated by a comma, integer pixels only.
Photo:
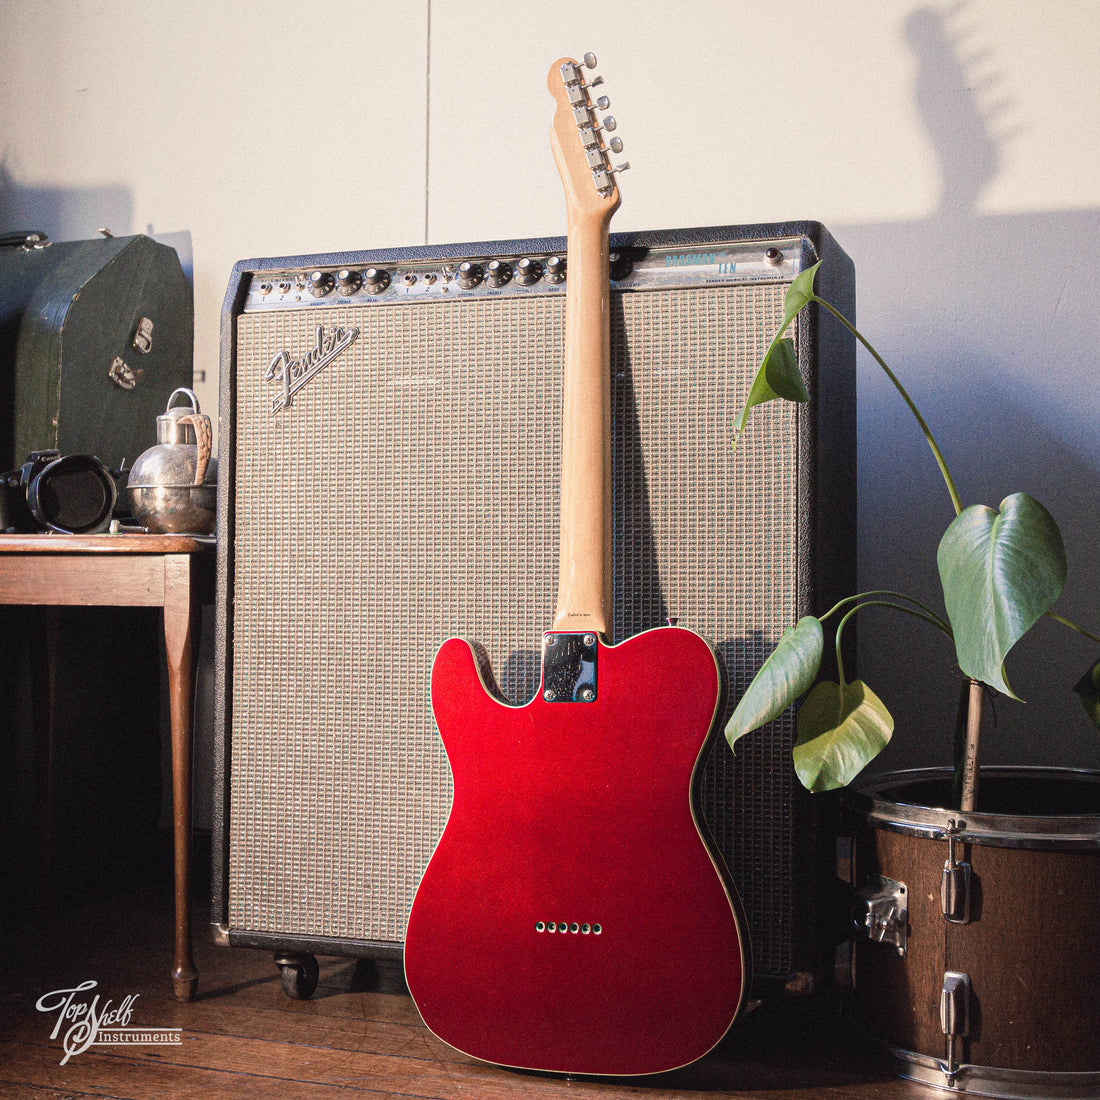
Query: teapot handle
[
  {"x": 190, "y": 394},
  {"x": 203, "y": 437}
]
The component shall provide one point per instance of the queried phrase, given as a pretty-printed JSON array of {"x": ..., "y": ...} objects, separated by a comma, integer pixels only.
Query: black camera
[{"x": 72, "y": 494}]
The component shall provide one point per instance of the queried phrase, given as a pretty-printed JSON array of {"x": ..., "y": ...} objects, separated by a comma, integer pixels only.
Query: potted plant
[
  {"x": 1002, "y": 569},
  {"x": 974, "y": 968}
]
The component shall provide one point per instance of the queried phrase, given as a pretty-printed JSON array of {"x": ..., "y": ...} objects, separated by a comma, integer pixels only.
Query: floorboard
[{"x": 360, "y": 1034}]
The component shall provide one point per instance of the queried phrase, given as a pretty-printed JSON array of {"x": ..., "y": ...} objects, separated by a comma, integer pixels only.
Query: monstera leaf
[
  {"x": 1001, "y": 571},
  {"x": 840, "y": 731},
  {"x": 779, "y": 375},
  {"x": 783, "y": 677},
  {"x": 799, "y": 293}
]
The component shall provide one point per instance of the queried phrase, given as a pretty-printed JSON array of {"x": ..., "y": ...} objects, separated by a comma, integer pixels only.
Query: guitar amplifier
[{"x": 388, "y": 478}]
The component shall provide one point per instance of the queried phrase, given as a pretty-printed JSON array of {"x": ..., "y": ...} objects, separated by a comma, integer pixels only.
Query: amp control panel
[{"x": 388, "y": 282}]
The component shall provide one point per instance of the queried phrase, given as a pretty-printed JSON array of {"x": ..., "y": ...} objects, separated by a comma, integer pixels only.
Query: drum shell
[{"x": 1029, "y": 946}]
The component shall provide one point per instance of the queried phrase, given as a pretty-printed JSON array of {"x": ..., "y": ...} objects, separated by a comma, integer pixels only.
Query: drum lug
[
  {"x": 881, "y": 913},
  {"x": 955, "y": 884},
  {"x": 954, "y": 1016}
]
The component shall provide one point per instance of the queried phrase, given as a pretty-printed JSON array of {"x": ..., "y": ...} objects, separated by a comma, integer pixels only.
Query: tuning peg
[
  {"x": 602, "y": 177},
  {"x": 603, "y": 103},
  {"x": 616, "y": 145},
  {"x": 590, "y": 133},
  {"x": 590, "y": 63}
]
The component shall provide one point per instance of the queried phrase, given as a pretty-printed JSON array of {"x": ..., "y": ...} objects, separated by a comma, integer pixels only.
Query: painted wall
[{"x": 951, "y": 147}]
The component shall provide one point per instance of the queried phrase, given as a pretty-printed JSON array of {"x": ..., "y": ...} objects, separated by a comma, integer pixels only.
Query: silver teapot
[{"x": 173, "y": 486}]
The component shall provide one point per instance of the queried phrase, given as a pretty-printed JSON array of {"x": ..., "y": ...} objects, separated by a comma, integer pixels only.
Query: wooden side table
[{"x": 174, "y": 572}]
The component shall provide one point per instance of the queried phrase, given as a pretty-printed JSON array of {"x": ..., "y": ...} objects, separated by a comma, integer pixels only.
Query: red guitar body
[{"x": 573, "y": 917}]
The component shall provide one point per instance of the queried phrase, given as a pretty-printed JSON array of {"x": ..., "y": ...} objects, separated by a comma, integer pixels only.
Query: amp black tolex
[{"x": 388, "y": 478}]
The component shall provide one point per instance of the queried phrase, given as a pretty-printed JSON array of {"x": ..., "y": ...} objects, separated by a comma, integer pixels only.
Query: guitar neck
[
  {"x": 584, "y": 568},
  {"x": 584, "y": 572}
]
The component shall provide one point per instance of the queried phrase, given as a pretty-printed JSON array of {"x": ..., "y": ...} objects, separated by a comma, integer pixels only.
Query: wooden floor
[{"x": 359, "y": 1035}]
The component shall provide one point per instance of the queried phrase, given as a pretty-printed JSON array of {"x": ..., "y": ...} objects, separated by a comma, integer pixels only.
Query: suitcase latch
[
  {"x": 881, "y": 913},
  {"x": 143, "y": 335},
  {"x": 122, "y": 374}
]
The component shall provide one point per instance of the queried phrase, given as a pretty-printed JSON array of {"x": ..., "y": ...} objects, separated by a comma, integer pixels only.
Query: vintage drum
[{"x": 977, "y": 963}]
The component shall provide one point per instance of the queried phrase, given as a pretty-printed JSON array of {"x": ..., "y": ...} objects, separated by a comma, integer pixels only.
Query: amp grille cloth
[{"x": 409, "y": 494}]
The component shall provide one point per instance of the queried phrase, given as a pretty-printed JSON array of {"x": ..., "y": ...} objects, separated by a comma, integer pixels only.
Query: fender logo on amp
[{"x": 292, "y": 374}]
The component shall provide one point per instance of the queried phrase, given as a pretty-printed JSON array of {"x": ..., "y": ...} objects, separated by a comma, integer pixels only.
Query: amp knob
[
  {"x": 376, "y": 279},
  {"x": 349, "y": 281},
  {"x": 555, "y": 269},
  {"x": 320, "y": 283},
  {"x": 528, "y": 271},
  {"x": 469, "y": 275},
  {"x": 497, "y": 273}
]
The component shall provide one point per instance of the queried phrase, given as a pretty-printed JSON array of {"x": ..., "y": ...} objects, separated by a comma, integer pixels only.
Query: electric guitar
[{"x": 573, "y": 917}]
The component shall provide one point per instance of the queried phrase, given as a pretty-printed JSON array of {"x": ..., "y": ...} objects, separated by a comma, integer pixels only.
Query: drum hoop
[
  {"x": 1009, "y": 1084},
  {"x": 1062, "y": 832}
]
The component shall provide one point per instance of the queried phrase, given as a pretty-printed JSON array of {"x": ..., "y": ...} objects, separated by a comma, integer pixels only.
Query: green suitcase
[{"x": 94, "y": 337}]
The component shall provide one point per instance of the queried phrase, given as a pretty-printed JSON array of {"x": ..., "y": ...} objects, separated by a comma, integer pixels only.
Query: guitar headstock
[{"x": 577, "y": 137}]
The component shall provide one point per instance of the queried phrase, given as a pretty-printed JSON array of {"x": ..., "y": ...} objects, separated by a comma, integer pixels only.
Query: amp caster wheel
[{"x": 299, "y": 974}]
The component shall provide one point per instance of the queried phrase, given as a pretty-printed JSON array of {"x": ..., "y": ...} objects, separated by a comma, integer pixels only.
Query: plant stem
[
  {"x": 924, "y": 614},
  {"x": 928, "y": 614},
  {"x": 956, "y": 501},
  {"x": 1073, "y": 626}
]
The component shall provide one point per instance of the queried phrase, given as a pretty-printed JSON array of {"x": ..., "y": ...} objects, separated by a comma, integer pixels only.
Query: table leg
[
  {"x": 44, "y": 637},
  {"x": 179, "y": 637}
]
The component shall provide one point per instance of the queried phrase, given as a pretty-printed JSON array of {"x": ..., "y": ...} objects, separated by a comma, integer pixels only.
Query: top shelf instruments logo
[{"x": 82, "y": 1021}]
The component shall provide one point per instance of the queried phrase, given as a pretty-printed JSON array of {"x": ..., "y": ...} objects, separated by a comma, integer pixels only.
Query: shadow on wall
[
  {"x": 77, "y": 214},
  {"x": 64, "y": 213},
  {"x": 991, "y": 323}
]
